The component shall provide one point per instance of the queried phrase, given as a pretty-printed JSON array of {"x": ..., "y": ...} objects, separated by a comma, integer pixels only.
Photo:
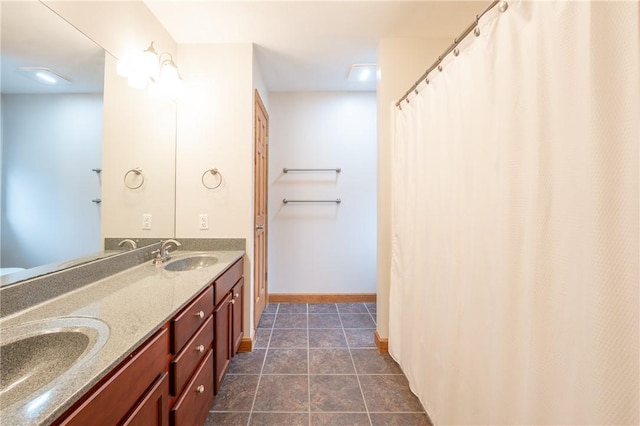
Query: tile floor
[{"x": 316, "y": 364}]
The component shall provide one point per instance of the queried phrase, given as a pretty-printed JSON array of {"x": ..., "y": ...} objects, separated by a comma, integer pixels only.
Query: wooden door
[{"x": 260, "y": 292}]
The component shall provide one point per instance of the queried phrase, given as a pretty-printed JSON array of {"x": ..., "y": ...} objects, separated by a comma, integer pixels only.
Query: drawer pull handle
[
  {"x": 200, "y": 314},
  {"x": 200, "y": 348},
  {"x": 200, "y": 389}
]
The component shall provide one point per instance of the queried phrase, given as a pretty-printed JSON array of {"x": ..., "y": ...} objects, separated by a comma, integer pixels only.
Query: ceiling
[
  {"x": 34, "y": 36},
  {"x": 309, "y": 45}
]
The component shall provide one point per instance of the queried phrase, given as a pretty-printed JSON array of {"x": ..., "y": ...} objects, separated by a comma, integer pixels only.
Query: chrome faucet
[
  {"x": 130, "y": 242},
  {"x": 162, "y": 254}
]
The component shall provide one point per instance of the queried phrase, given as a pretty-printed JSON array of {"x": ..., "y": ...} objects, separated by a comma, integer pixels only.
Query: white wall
[
  {"x": 50, "y": 144},
  {"x": 322, "y": 248},
  {"x": 215, "y": 129},
  {"x": 401, "y": 61},
  {"x": 259, "y": 83}
]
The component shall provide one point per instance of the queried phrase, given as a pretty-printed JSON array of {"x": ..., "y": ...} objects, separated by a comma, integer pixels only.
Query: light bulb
[{"x": 138, "y": 81}]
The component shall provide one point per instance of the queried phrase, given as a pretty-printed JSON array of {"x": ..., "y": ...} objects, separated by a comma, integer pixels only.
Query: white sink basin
[{"x": 192, "y": 262}]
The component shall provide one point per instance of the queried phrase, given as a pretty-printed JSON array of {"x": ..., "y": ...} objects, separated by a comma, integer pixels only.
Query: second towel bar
[
  {"x": 287, "y": 170},
  {"x": 337, "y": 201}
]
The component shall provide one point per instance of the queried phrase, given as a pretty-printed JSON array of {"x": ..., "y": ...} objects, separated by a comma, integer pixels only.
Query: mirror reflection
[{"x": 52, "y": 82}]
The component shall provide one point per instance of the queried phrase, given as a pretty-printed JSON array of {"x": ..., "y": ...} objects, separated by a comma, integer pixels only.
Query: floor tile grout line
[
  {"x": 366, "y": 407},
  {"x": 266, "y": 353},
  {"x": 317, "y": 374},
  {"x": 371, "y": 314},
  {"x": 308, "y": 371}
]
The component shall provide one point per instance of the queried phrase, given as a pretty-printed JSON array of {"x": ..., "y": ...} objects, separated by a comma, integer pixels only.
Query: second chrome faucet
[{"x": 162, "y": 254}]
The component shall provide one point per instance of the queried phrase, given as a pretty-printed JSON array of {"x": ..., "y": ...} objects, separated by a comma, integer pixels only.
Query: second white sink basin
[{"x": 192, "y": 262}]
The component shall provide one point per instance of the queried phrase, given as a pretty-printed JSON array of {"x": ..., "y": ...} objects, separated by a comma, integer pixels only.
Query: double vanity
[{"x": 148, "y": 345}]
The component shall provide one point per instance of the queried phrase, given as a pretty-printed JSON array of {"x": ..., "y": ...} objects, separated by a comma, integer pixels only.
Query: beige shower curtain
[{"x": 514, "y": 294}]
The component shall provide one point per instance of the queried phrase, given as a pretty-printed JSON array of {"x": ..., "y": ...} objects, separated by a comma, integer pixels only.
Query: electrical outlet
[
  {"x": 146, "y": 221},
  {"x": 204, "y": 221}
]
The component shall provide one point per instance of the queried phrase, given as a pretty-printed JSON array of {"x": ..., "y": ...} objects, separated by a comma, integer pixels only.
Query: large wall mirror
[{"x": 54, "y": 148}]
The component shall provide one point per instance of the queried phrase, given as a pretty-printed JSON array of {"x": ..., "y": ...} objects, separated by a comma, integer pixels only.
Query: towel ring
[
  {"x": 138, "y": 172},
  {"x": 213, "y": 171}
]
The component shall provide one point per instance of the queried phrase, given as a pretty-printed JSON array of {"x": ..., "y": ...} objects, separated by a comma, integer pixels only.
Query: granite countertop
[{"x": 133, "y": 304}]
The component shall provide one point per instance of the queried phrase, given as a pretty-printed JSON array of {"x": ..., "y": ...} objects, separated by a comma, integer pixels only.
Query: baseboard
[
  {"x": 382, "y": 343},
  {"x": 246, "y": 345},
  {"x": 323, "y": 298}
]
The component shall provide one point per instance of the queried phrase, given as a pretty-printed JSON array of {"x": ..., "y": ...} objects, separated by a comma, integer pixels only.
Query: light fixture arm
[{"x": 159, "y": 69}]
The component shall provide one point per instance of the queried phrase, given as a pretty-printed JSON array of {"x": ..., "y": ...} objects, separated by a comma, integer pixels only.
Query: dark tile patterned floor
[{"x": 316, "y": 364}]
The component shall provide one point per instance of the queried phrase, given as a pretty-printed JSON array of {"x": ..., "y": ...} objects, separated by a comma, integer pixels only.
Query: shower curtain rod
[{"x": 449, "y": 49}]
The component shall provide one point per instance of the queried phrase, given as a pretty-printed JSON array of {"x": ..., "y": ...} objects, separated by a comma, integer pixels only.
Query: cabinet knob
[
  {"x": 200, "y": 348},
  {"x": 200, "y": 314},
  {"x": 232, "y": 301},
  {"x": 200, "y": 389},
  {"x": 237, "y": 295}
]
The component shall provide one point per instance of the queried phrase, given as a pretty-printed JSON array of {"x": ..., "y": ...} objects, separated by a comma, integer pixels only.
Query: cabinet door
[
  {"x": 153, "y": 410},
  {"x": 222, "y": 340},
  {"x": 114, "y": 399},
  {"x": 236, "y": 325}
]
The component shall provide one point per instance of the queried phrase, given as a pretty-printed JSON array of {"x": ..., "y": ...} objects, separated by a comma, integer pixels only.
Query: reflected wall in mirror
[
  {"x": 51, "y": 138},
  {"x": 139, "y": 133}
]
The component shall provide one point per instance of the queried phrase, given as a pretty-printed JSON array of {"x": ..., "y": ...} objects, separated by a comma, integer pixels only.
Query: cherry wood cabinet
[
  {"x": 227, "y": 317},
  {"x": 222, "y": 340},
  {"x": 126, "y": 388},
  {"x": 191, "y": 318},
  {"x": 194, "y": 402},
  {"x": 236, "y": 316},
  {"x": 191, "y": 368},
  {"x": 171, "y": 379},
  {"x": 225, "y": 282},
  {"x": 153, "y": 410},
  {"x": 184, "y": 364}
]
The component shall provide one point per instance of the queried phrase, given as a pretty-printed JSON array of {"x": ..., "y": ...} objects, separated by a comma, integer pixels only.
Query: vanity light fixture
[
  {"x": 150, "y": 69},
  {"x": 362, "y": 73},
  {"x": 44, "y": 75}
]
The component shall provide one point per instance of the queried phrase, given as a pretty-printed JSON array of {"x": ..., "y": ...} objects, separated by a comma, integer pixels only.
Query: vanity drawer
[
  {"x": 193, "y": 405},
  {"x": 184, "y": 325},
  {"x": 186, "y": 361},
  {"x": 227, "y": 280}
]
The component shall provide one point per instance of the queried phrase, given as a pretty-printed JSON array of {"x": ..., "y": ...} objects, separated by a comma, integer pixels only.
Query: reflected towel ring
[
  {"x": 138, "y": 172},
  {"x": 213, "y": 171}
]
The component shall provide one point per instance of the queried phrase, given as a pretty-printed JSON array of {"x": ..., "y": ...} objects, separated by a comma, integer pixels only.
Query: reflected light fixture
[
  {"x": 156, "y": 71},
  {"x": 362, "y": 73},
  {"x": 45, "y": 76}
]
